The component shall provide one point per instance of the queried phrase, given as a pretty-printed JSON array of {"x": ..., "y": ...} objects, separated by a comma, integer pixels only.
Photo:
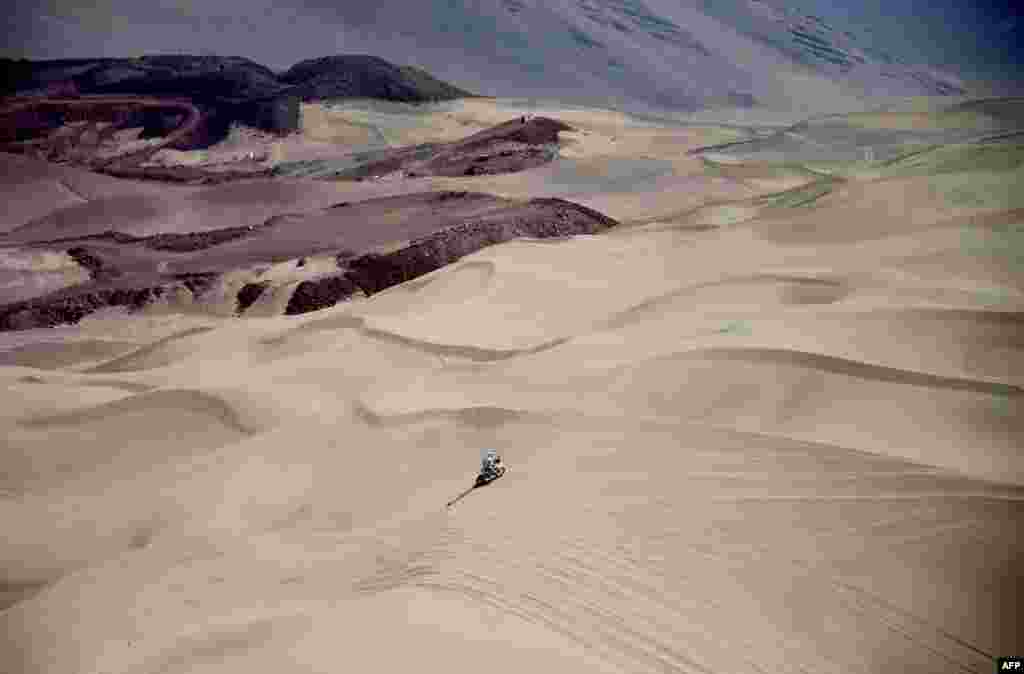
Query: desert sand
[{"x": 773, "y": 422}]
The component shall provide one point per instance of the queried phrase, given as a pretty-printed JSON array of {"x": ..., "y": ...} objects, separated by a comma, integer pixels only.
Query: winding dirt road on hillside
[{"x": 90, "y": 107}]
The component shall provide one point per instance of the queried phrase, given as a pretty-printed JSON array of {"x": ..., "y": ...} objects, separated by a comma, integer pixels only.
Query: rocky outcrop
[
  {"x": 98, "y": 269},
  {"x": 249, "y": 293},
  {"x": 197, "y": 283},
  {"x": 320, "y": 294},
  {"x": 516, "y": 145},
  {"x": 190, "y": 175},
  {"x": 184, "y": 243},
  {"x": 541, "y": 218},
  {"x": 75, "y": 130},
  {"x": 69, "y": 308},
  {"x": 177, "y": 243},
  {"x": 70, "y": 305},
  {"x": 373, "y": 272}
]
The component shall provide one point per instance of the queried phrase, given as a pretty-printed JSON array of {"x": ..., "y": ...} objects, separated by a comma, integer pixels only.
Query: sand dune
[
  {"x": 56, "y": 356},
  {"x": 765, "y": 426},
  {"x": 158, "y": 354}
]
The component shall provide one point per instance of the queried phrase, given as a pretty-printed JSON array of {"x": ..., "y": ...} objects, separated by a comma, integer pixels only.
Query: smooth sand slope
[{"x": 773, "y": 423}]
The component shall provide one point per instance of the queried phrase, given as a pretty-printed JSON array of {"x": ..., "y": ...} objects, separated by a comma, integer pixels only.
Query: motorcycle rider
[{"x": 491, "y": 465}]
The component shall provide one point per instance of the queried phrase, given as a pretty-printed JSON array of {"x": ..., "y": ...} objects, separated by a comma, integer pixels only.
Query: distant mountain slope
[
  {"x": 351, "y": 76},
  {"x": 836, "y": 51},
  {"x": 674, "y": 54}
]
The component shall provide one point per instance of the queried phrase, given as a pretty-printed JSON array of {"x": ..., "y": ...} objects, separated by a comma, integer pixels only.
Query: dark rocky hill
[
  {"x": 227, "y": 89},
  {"x": 361, "y": 76}
]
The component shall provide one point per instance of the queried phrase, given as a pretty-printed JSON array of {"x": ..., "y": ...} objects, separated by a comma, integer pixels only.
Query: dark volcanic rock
[
  {"x": 177, "y": 243},
  {"x": 157, "y": 123},
  {"x": 98, "y": 269},
  {"x": 201, "y": 79},
  {"x": 544, "y": 218},
  {"x": 184, "y": 243},
  {"x": 359, "y": 76},
  {"x": 320, "y": 294},
  {"x": 531, "y": 130},
  {"x": 226, "y": 88},
  {"x": 249, "y": 293},
  {"x": 70, "y": 305},
  {"x": 109, "y": 235},
  {"x": 373, "y": 272},
  {"x": 191, "y": 175},
  {"x": 512, "y": 146},
  {"x": 69, "y": 308},
  {"x": 198, "y": 283},
  {"x": 24, "y": 76},
  {"x": 28, "y": 123},
  {"x": 278, "y": 113}
]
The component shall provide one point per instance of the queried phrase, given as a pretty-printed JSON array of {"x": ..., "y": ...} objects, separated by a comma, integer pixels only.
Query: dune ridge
[
  {"x": 149, "y": 356},
  {"x": 854, "y": 368},
  {"x": 178, "y": 400}
]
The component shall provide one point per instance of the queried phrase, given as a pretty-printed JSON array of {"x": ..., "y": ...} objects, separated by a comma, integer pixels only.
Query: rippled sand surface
[{"x": 772, "y": 423}]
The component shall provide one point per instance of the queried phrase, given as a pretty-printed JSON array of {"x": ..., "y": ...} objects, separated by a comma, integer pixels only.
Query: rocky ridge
[{"x": 132, "y": 272}]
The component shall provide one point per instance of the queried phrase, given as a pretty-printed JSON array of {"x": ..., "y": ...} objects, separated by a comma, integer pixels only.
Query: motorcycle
[{"x": 489, "y": 476}]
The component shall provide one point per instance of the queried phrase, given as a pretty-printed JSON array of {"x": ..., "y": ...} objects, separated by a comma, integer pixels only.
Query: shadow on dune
[
  {"x": 359, "y": 324},
  {"x": 150, "y": 356},
  {"x": 57, "y": 355},
  {"x": 480, "y": 417},
  {"x": 851, "y": 368},
  {"x": 167, "y": 400},
  {"x": 754, "y": 289}
]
